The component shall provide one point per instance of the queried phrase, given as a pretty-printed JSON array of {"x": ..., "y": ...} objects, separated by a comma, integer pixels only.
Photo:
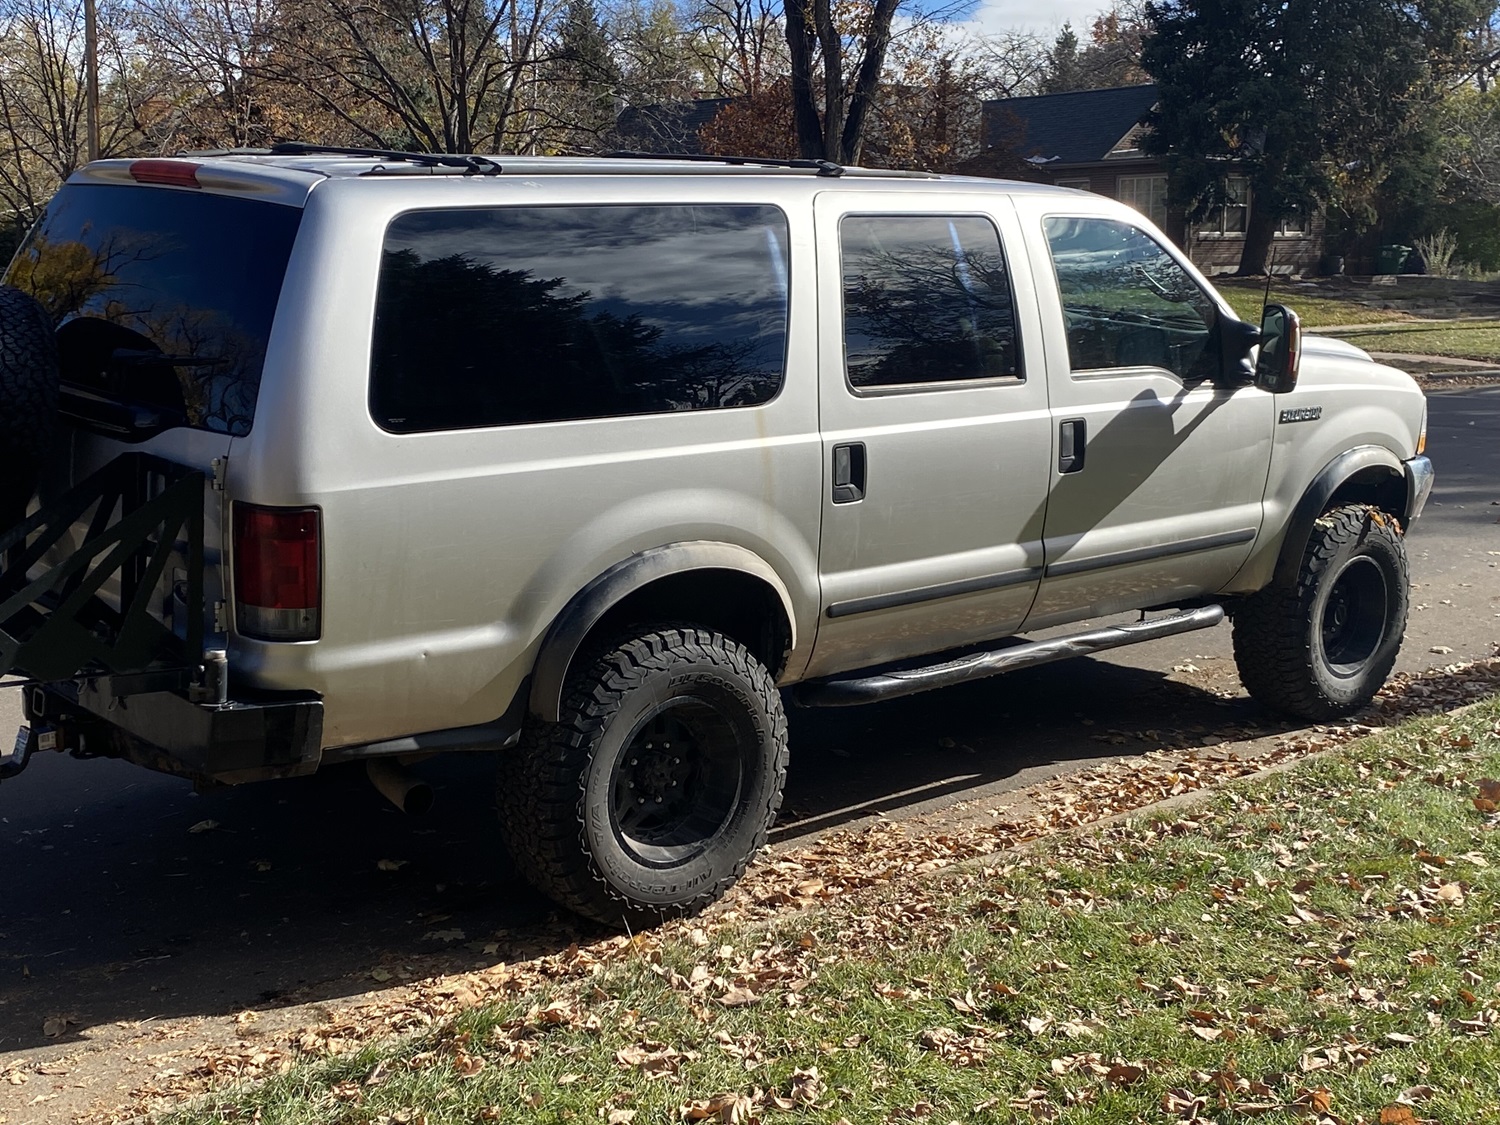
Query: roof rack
[
  {"x": 821, "y": 167},
  {"x": 471, "y": 165}
]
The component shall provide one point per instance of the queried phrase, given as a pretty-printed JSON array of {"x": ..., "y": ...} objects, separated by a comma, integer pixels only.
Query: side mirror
[
  {"x": 1238, "y": 340},
  {"x": 1280, "y": 350}
]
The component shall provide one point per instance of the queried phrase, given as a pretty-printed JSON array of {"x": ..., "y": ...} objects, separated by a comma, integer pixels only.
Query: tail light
[{"x": 277, "y": 573}]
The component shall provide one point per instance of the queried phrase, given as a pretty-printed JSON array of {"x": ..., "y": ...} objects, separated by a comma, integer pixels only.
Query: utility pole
[{"x": 91, "y": 83}]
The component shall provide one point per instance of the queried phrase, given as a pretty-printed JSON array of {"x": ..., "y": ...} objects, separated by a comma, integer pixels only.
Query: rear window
[
  {"x": 502, "y": 316},
  {"x": 163, "y": 299}
]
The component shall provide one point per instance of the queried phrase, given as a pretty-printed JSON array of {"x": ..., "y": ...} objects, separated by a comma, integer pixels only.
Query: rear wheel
[
  {"x": 28, "y": 398},
  {"x": 651, "y": 795},
  {"x": 1324, "y": 646}
]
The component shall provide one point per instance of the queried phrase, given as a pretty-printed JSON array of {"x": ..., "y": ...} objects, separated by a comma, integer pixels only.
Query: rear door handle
[
  {"x": 1072, "y": 437},
  {"x": 849, "y": 472}
]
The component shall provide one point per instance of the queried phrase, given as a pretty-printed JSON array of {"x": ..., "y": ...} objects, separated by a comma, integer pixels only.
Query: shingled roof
[
  {"x": 1074, "y": 128},
  {"x": 669, "y": 127}
]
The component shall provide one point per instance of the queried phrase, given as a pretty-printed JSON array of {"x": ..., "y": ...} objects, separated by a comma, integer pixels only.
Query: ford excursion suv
[{"x": 321, "y": 456}]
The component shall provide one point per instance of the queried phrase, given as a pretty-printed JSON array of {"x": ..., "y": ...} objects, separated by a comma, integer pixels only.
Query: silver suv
[{"x": 365, "y": 456}]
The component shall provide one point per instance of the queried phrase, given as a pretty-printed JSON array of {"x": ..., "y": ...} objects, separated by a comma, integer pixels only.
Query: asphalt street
[{"x": 114, "y": 908}]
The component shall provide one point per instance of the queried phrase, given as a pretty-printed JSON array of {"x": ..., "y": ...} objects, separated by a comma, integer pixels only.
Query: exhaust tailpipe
[{"x": 411, "y": 795}]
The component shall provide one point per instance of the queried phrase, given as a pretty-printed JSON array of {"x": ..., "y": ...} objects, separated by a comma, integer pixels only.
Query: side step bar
[{"x": 851, "y": 690}]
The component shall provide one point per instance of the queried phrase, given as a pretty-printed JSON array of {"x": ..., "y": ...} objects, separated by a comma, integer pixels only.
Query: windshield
[{"x": 162, "y": 298}]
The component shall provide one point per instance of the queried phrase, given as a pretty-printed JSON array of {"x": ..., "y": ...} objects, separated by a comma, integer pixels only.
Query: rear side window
[
  {"x": 927, "y": 299},
  {"x": 163, "y": 299},
  {"x": 510, "y": 315}
]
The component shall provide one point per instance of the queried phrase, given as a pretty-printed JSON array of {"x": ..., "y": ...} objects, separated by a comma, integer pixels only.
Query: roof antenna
[{"x": 1270, "y": 272}]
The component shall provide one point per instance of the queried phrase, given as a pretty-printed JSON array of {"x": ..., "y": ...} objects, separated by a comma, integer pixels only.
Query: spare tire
[{"x": 28, "y": 399}]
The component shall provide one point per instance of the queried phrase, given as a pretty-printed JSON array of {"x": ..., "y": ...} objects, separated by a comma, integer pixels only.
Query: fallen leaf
[
  {"x": 203, "y": 826},
  {"x": 1397, "y": 1115},
  {"x": 391, "y": 864},
  {"x": 738, "y": 998},
  {"x": 1123, "y": 1074},
  {"x": 729, "y": 1109},
  {"x": 620, "y": 1117},
  {"x": 54, "y": 1027}
]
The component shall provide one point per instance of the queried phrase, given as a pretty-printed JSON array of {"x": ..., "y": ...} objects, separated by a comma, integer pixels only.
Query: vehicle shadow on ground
[{"x": 317, "y": 890}]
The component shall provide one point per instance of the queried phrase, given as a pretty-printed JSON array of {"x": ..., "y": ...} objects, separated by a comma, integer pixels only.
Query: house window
[
  {"x": 1292, "y": 226},
  {"x": 1147, "y": 194},
  {"x": 1233, "y": 217},
  {"x": 1081, "y": 185}
]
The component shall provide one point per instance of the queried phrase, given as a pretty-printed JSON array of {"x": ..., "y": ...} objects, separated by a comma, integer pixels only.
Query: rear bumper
[
  {"x": 1419, "y": 478},
  {"x": 243, "y": 740}
]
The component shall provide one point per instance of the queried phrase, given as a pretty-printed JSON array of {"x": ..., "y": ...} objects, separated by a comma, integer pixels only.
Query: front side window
[
  {"x": 509, "y": 315},
  {"x": 927, "y": 299},
  {"x": 1147, "y": 194},
  {"x": 1127, "y": 301}
]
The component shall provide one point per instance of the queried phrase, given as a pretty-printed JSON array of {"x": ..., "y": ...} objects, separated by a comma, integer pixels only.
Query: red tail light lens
[
  {"x": 173, "y": 173},
  {"x": 277, "y": 573}
]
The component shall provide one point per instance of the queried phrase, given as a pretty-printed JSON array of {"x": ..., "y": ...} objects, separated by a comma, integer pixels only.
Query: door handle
[
  {"x": 849, "y": 473},
  {"x": 1072, "y": 437}
]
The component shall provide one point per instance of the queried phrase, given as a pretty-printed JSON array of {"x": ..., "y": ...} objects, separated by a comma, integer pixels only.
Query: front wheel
[
  {"x": 652, "y": 794},
  {"x": 1324, "y": 646}
]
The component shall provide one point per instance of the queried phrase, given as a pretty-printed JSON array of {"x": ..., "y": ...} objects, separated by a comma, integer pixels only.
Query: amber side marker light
[{"x": 173, "y": 173}]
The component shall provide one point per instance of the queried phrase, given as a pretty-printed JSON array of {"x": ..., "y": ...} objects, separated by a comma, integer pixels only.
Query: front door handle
[
  {"x": 849, "y": 472},
  {"x": 1072, "y": 437}
]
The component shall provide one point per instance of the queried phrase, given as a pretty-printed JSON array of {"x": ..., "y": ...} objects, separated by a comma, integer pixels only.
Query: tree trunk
[
  {"x": 1259, "y": 232},
  {"x": 866, "y": 80},
  {"x": 799, "y": 40}
]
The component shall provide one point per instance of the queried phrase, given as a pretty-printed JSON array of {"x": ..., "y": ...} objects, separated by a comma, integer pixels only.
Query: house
[
  {"x": 1090, "y": 139},
  {"x": 668, "y": 127}
]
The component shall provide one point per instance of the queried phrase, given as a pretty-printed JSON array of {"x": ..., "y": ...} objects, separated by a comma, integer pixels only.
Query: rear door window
[
  {"x": 163, "y": 299},
  {"x": 927, "y": 299},
  {"x": 503, "y": 316}
]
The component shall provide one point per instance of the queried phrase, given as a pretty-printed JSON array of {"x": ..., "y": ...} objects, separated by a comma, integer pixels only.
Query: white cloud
[{"x": 1041, "y": 17}]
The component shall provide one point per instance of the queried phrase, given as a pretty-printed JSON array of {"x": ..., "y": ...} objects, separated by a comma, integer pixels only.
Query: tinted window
[
  {"x": 162, "y": 298},
  {"x": 1127, "y": 302},
  {"x": 541, "y": 314},
  {"x": 926, "y": 300}
]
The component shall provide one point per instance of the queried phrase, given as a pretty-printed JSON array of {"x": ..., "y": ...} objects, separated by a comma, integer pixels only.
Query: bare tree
[
  {"x": 443, "y": 75},
  {"x": 42, "y": 114},
  {"x": 742, "y": 45}
]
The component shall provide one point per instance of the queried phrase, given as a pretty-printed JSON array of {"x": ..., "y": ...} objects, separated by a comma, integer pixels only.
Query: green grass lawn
[
  {"x": 1474, "y": 339},
  {"x": 1318, "y": 945},
  {"x": 1247, "y": 299}
]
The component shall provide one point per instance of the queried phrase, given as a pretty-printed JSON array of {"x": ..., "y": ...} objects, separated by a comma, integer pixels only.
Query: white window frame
[
  {"x": 1295, "y": 226},
  {"x": 1217, "y": 227},
  {"x": 1128, "y": 189}
]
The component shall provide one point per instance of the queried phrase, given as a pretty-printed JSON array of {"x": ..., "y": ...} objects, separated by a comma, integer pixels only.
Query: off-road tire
[
  {"x": 28, "y": 398},
  {"x": 561, "y": 789},
  {"x": 1324, "y": 645}
]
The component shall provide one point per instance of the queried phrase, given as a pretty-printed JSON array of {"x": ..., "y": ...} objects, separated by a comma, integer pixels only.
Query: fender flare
[
  {"x": 1314, "y": 501},
  {"x": 569, "y": 629}
]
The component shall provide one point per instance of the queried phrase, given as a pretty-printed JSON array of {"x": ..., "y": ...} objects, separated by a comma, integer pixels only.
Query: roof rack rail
[
  {"x": 472, "y": 165},
  {"x": 821, "y": 167}
]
